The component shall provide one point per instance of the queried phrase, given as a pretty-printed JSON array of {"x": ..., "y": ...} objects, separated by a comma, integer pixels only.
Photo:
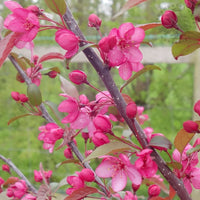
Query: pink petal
[
  {"x": 187, "y": 185},
  {"x": 116, "y": 57},
  {"x": 68, "y": 106},
  {"x": 137, "y": 66},
  {"x": 124, "y": 28},
  {"x": 138, "y": 35},
  {"x": 125, "y": 71},
  {"x": 195, "y": 178},
  {"x": 11, "y": 5},
  {"x": 70, "y": 118},
  {"x": 105, "y": 169},
  {"x": 133, "y": 54},
  {"x": 119, "y": 180},
  {"x": 81, "y": 121},
  {"x": 134, "y": 175}
]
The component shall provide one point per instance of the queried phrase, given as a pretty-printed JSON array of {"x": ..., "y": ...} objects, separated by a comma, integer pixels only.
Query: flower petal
[
  {"x": 119, "y": 180},
  {"x": 105, "y": 169}
]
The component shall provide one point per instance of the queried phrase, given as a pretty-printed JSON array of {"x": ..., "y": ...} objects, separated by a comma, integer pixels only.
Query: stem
[
  {"x": 19, "y": 173},
  {"x": 103, "y": 72}
]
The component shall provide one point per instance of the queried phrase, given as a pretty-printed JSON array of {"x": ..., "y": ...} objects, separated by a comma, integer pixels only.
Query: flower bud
[
  {"x": 191, "y": 4},
  {"x": 6, "y": 168},
  {"x": 94, "y": 21},
  {"x": 15, "y": 96},
  {"x": 78, "y": 77},
  {"x": 135, "y": 187},
  {"x": 101, "y": 122},
  {"x": 153, "y": 190},
  {"x": 191, "y": 127},
  {"x": 68, "y": 153},
  {"x": 85, "y": 136},
  {"x": 23, "y": 98},
  {"x": 131, "y": 110},
  {"x": 197, "y": 107},
  {"x": 87, "y": 175},
  {"x": 52, "y": 74},
  {"x": 169, "y": 19},
  {"x": 99, "y": 139}
]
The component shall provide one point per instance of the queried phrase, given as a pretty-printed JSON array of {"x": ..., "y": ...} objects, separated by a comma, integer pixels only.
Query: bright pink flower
[
  {"x": 76, "y": 183},
  {"x": 153, "y": 190},
  {"x": 145, "y": 165},
  {"x": 130, "y": 196},
  {"x": 131, "y": 110},
  {"x": 197, "y": 107},
  {"x": 38, "y": 175},
  {"x": 78, "y": 77},
  {"x": 29, "y": 197},
  {"x": 118, "y": 169},
  {"x": 148, "y": 131},
  {"x": 68, "y": 153},
  {"x": 15, "y": 96},
  {"x": 102, "y": 123},
  {"x": 87, "y": 175},
  {"x": 17, "y": 190},
  {"x": 141, "y": 117},
  {"x": 68, "y": 41},
  {"x": 169, "y": 19},
  {"x": 1, "y": 183},
  {"x": 100, "y": 138},
  {"x": 120, "y": 48},
  {"x": 6, "y": 168},
  {"x": 22, "y": 21},
  {"x": 94, "y": 21},
  {"x": 50, "y": 133},
  {"x": 34, "y": 74},
  {"x": 191, "y": 126},
  {"x": 23, "y": 98}
]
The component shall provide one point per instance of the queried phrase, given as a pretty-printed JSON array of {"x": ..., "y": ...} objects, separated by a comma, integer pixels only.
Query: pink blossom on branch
[
  {"x": 38, "y": 175},
  {"x": 118, "y": 169}
]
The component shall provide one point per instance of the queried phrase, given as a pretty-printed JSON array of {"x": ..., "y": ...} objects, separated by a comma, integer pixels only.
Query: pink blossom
[
  {"x": 76, "y": 183},
  {"x": 120, "y": 48},
  {"x": 1, "y": 183},
  {"x": 130, "y": 196},
  {"x": 50, "y": 133},
  {"x": 6, "y": 168},
  {"x": 191, "y": 126},
  {"x": 68, "y": 153},
  {"x": 15, "y": 96},
  {"x": 100, "y": 138},
  {"x": 197, "y": 107},
  {"x": 38, "y": 175},
  {"x": 68, "y": 41},
  {"x": 145, "y": 165},
  {"x": 22, "y": 21},
  {"x": 140, "y": 116},
  {"x": 148, "y": 131},
  {"x": 191, "y": 4},
  {"x": 34, "y": 74},
  {"x": 102, "y": 123},
  {"x": 87, "y": 175},
  {"x": 29, "y": 197},
  {"x": 94, "y": 21},
  {"x": 118, "y": 169},
  {"x": 153, "y": 190},
  {"x": 131, "y": 109},
  {"x": 78, "y": 77},
  {"x": 23, "y": 98},
  {"x": 17, "y": 190},
  {"x": 169, "y": 19}
]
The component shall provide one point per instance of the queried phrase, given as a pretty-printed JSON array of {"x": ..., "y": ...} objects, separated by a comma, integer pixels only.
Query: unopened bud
[
  {"x": 191, "y": 127},
  {"x": 78, "y": 77},
  {"x": 52, "y": 74},
  {"x": 131, "y": 110},
  {"x": 153, "y": 190},
  {"x": 94, "y": 21},
  {"x": 87, "y": 175},
  {"x": 15, "y": 96},
  {"x": 197, "y": 107},
  {"x": 101, "y": 122},
  {"x": 68, "y": 153},
  {"x": 169, "y": 19},
  {"x": 191, "y": 4},
  {"x": 23, "y": 98},
  {"x": 6, "y": 168}
]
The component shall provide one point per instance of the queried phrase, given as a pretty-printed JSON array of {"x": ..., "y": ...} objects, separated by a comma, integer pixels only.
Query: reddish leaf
[
  {"x": 81, "y": 193},
  {"x": 6, "y": 46},
  {"x": 149, "y": 26},
  {"x": 10, "y": 181},
  {"x": 172, "y": 192},
  {"x": 129, "y": 4},
  {"x": 19, "y": 116},
  {"x": 52, "y": 55},
  {"x": 127, "y": 98},
  {"x": 181, "y": 140},
  {"x": 160, "y": 142},
  {"x": 57, "y": 6}
]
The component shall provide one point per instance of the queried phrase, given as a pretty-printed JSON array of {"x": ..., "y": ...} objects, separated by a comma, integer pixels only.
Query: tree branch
[{"x": 103, "y": 72}]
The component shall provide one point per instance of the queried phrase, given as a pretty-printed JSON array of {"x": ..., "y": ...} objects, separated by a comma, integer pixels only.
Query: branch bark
[{"x": 103, "y": 72}]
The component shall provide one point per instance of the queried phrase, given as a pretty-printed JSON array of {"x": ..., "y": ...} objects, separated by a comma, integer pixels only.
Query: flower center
[{"x": 28, "y": 25}]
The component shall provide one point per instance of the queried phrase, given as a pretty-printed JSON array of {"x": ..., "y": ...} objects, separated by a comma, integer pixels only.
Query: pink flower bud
[
  {"x": 15, "y": 96},
  {"x": 75, "y": 181},
  {"x": 6, "y": 168},
  {"x": 191, "y": 127},
  {"x": 169, "y": 19},
  {"x": 101, "y": 122},
  {"x": 52, "y": 74},
  {"x": 94, "y": 21},
  {"x": 135, "y": 187},
  {"x": 78, "y": 77},
  {"x": 85, "y": 136},
  {"x": 197, "y": 107},
  {"x": 68, "y": 41},
  {"x": 87, "y": 175},
  {"x": 153, "y": 190},
  {"x": 23, "y": 98},
  {"x": 68, "y": 153},
  {"x": 131, "y": 110},
  {"x": 99, "y": 139},
  {"x": 191, "y": 4}
]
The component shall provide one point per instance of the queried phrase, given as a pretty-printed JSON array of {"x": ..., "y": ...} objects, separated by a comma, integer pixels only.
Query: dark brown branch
[{"x": 103, "y": 72}]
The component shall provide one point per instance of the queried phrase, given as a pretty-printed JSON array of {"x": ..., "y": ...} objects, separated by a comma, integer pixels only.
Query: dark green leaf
[
  {"x": 160, "y": 142},
  {"x": 57, "y": 6},
  {"x": 34, "y": 94}
]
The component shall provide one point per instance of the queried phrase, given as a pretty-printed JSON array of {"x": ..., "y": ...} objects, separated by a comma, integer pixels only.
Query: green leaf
[
  {"x": 182, "y": 139},
  {"x": 57, "y": 6},
  {"x": 139, "y": 73},
  {"x": 17, "y": 117},
  {"x": 190, "y": 151},
  {"x": 111, "y": 147},
  {"x": 160, "y": 142},
  {"x": 188, "y": 43},
  {"x": 67, "y": 161},
  {"x": 34, "y": 94},
  {"x": 81, "y": 193}
]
